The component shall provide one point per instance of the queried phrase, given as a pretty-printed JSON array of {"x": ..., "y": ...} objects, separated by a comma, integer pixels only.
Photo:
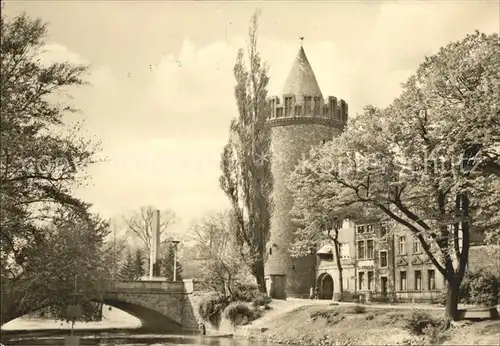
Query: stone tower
[{"x": 299, "y": 119}]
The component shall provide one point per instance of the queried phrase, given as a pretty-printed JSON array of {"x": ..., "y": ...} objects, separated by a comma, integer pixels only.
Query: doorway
[
  {"x": 325, "y": 283},
  {"x": 383, "y": 285}
]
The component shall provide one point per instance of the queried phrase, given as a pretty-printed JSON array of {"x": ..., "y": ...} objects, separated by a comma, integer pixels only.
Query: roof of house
[{"x": 325, "y": 250}]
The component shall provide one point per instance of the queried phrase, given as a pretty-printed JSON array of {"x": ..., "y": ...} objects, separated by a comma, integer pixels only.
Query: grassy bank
[{"x": 354, "y": 325}]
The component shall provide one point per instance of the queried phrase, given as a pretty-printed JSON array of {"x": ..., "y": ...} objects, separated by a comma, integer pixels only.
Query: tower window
[
  {"x": 272, "y": 104},
  {"x": 298, "y": 110},
  {"x": 325, "y": 112},
  {"x": 307, "y": 105},
  {"x": 279, "y": 112},
  {"x": 288, "y": 106},
  {"x": 316, "y": 105},
  {"x": 270, "y": 250}
]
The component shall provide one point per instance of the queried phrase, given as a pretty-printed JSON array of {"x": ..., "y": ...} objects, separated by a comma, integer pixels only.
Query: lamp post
[{"x": 175, "y": 242}]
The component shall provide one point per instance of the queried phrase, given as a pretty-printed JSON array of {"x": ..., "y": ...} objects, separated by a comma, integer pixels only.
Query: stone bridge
[{"x": 161, "y": 306}]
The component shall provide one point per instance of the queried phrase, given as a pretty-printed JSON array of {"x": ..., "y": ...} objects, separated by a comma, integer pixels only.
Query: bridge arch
[
  {"x": 160, "y": 306},
  {"x": 150, "y": 319}
]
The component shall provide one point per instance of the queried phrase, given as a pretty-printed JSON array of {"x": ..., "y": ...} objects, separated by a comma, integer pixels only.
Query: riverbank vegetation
[{"x": 366, "y": 325}]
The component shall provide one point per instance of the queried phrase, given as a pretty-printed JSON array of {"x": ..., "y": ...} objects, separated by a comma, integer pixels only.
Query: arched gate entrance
[{"x": 325, "y": 284}]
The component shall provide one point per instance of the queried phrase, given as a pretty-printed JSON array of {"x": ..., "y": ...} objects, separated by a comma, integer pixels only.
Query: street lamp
[{"x": 175, "y": 242}]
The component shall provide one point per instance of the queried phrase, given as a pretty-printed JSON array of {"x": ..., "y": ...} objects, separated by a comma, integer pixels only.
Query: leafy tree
[
  {"x": 42, "y": 159},
  {"x": 68, "y": 260},
  {"x": 140, "y": 224},
  {"x": 246, "y": 170},
  {"x": 217, "y": 244},
  {"x": 167, "y": 267},
  {"x": 429, "y": 161}
]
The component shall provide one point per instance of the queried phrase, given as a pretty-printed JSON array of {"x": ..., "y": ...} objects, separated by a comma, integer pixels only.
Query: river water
[{"x": 116, "y": 328}]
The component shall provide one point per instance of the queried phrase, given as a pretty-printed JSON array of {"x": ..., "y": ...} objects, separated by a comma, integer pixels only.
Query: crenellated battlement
[{"x": 334, "y": 112}]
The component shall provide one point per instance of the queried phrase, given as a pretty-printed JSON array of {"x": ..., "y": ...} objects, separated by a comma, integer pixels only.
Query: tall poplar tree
[{"x": 246, "y": 169}]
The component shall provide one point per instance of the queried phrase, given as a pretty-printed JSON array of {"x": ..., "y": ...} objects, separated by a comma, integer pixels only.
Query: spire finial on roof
[{"x": 301, "y": 40}]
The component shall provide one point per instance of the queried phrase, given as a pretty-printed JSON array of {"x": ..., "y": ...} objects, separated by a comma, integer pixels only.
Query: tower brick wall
[{"x": 299, "y": 120}]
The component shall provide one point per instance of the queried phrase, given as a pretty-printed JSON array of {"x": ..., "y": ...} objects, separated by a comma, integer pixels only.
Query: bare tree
[
  {"x": 140, "y": 224},
  {"x": 215, "y": 240}
]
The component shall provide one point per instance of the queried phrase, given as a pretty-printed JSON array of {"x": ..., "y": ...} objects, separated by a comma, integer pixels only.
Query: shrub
[
  {"x": 418, "y": 321},
  {"x": 329, "y": 315},
  {"x": 480, "y": 288},
  {"x": 239, "y": 313},
  {"x": 210, "y": 310},
  {"x": 435, "y": 333},
  {"x": 358, "y": 309},
  {"x": 261, "y": 300},
  {"x": 244, "y": 292}
]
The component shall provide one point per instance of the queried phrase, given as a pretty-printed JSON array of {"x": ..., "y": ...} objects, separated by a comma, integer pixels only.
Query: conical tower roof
[{"x": 301, "y": 80}]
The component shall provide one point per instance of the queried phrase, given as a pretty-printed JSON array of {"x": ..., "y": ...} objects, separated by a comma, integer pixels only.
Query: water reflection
[
  {"x": 140, "y": 340},
  {"x": 191, "y": 341}
]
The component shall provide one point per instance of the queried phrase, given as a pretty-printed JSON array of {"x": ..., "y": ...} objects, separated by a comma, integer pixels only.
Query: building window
[
  {"x": 402, "y": 281},
  {"x": 279, "y": 112},
  {"x": 402, "y": 245},
  {"x": 431, "y": 279},
  {"x": 344, "y": 251},
  {"x": 361, "y": 229},
  {"x": 316, "y": 105},
  {"x": 273, "y": 103},
  {"x": 369, "y": 248},
  {"x": 325, "y": 112},
  {"x": 270, "y": 250},
  {"x": 361, "y": 249},
  {"x": 383, "y": 231},
  {"x": 369, "y": 229},
  {"x": 361, "y": 280},
  {"x": 383, "y": 259},
  {"x": 370, "y": 280},
  {"x": 307, "y": 105},
  {"x": 418, "y": 280},
  {"x": 288, "y": 106},
  {"x": 416, "y": 245},
  {"x": 298, "y": 110}
]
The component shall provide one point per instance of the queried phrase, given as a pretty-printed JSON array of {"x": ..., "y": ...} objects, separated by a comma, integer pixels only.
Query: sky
[{"x": 161, "y": 85}]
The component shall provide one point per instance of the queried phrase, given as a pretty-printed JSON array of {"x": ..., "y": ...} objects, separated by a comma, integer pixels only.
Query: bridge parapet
[{"x": 179, "y": 287}]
